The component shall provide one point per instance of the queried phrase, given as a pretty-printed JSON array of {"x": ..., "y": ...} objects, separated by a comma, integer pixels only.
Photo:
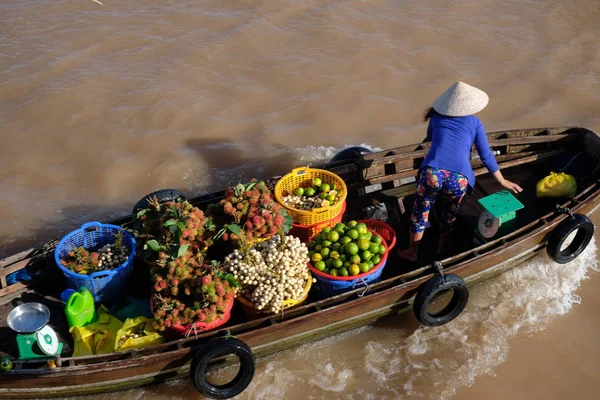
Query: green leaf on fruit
[
  {"x": 182, "y": 250},
  {"x": 181, "y": 226},
  {"x": 250, "y": 185},
  {"x": 239, "y": 189},
  {"x": 170, "y": 222},
  {"x": 235, "y": 229},
  {"x": 152, "y": 244},
  {"x": 141, "y": 213}
]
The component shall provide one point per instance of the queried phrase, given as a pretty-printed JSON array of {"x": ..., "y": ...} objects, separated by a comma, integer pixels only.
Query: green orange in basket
[
  {"x": 333, "y": 272},
  {"x": 325, "y": 187},
  {"x": 310, "y": 192},
  {"x": 311, "y": 245},
  {"x": 366, "y": 255},
  {"x": 317, "y": 181},
  {"x": 337, "y": 263},
  {"x": 334, "y": 255},
  {"x": 343, "y": 257},
  {"x": 325, "y": 252},
  {"x": 326, "y": 243},
  {"x": 328, "y": 263},
  {"x": 333, "y": 236},
  {"x": 355, "y": 259},
  {"x": 362, "y": 228},
  {"x": 376, "y": 239},
  {"x": 320, "y": 265},
  {"x": 381, "y": 249},
  {"x": 327, "y": 229},
  {"x": 343, "y": 271},
  {"x": 364, "y": 244},
  {"x": 364, "y": 267},
  {"x": 299, "y": 192},
  {"x": 339, "y": 226},
  {"x": 375, "y": 259},
  {"x": 323, "y": 196},
  {"x": 352, "y": 234},
  {"x": 318, "y": 248},
  {"x": 371, "y": 264},
  {"x": 352, "y": 223},
  {"x": 352, "y": 248},
  {"x": 345, "y": 240},
  {"x": 316, "y": 257},
  {"x": 354, "y": 269},
  {"x": 336, "y": 246},
  {"x": 374, "y": 248}
]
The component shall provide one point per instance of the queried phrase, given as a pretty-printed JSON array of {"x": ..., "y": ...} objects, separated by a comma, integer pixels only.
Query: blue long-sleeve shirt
[{"x": 451, "y": 140}]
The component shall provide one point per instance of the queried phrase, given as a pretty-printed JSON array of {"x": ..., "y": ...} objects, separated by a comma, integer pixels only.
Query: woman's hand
[{"x": 511, "y": 186}]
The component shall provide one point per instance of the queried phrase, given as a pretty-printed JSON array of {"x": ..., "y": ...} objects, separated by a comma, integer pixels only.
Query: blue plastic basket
[
  {"x": 330, "y": 287},
  {"x": 105, "y": 286}
]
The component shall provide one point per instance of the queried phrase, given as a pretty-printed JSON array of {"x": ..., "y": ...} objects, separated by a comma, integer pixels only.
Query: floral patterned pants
[{"x": 431, "y": 182}]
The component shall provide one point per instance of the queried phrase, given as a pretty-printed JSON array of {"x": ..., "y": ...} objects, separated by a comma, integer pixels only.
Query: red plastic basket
[
  {"x": 186, "y": 330},
  {"x": 384, "y": 230},
  {"x": 305, "y": 232}
]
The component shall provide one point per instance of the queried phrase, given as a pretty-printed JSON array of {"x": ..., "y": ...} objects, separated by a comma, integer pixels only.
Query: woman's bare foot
[{"x": 407, "y": 254}]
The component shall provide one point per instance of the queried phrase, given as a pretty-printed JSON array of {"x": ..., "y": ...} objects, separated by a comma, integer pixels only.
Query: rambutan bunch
[
  {"x": 168, "y": 230},
  {"x": 249, "y": 211},
  {"x": 188, "y": 292}
]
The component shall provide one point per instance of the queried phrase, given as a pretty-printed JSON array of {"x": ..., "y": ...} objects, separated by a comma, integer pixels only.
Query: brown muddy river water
[{"x": 102, "y": 104}]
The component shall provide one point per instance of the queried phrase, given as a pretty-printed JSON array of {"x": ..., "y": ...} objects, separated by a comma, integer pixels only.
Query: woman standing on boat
[{"x": 446, "y": 170}]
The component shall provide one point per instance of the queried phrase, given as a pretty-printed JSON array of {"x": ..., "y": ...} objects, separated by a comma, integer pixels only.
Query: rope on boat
[
  {"x": 188, "y": 332},
  {"x": 361, "y": 280}
]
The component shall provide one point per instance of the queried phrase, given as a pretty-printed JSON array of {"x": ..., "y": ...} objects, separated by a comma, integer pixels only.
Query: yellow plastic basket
[
  {"x": 303, "y": 177},
  {"x": 252, "y": 313}
]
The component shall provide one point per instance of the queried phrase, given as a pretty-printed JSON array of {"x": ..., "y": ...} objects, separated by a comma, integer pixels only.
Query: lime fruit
[
  {"x": 311, "y": 245},
  {"x": 362, "y": 228},
  {"x": 325, "y": 187},
  {"x": 352, "y": 223},
  {"x": 340, "y": 226},
  {"x": 333, "y": 272},
  {"x": 345, "y": 240},
  {"x": 352, "y": 248},
  {"x": 325, "y": 252},
  {"x": 343, "y": 271},
  {"x": 323, "y": 196},
  {"x": 354, "y": 269},
  {"x": 333, "y": 236},
  {"x": 318, "y": 248},
  {"x": 337, "y": 263},
  {"x": 363, "y": 244},
  {"x": 327, "y": 229},
  {"x": 374, "y": 248},
  {"x": 365, "y": 255},
  {"x": 331, "y": 197},
  {"x": 336, "y": 246},
  {"x": 310, "y": 192},
  {"x": 316, "y": 257},
  {"x": 326, "y": 271},
  {"x": 320, "y": 265},
  {"x": 343, "y": 257},
  {"x": 355, "y": 259},
  {"x": 334, "y": 254},
  {"x": 352, "y": 234},
  {"x": 381, "y": 249},
  {"x": 326, "y": 243},
  {"x": 364, "y": 267},
  {"x": 375, "y": 259},
  {"x": 299, "y": 192},
  {"x": 329, "y": 263},
  {"x": 377, "y": 239},
  {"x": 316, "y": 181}
]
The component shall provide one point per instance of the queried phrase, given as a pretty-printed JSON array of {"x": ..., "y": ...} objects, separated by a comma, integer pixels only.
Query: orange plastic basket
[
  {"x": 304, "y": 233},
  {"x": 303, "y": 177}
]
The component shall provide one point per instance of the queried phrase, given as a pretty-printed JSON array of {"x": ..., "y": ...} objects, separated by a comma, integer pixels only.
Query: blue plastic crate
[{"x": 106, "y": 286}]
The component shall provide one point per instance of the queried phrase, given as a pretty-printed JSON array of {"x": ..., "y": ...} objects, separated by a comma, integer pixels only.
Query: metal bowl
[{"x": 28, "y": 317}]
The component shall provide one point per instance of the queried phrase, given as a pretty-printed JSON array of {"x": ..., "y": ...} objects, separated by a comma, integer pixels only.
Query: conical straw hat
[{"x": 461, "y": 99}]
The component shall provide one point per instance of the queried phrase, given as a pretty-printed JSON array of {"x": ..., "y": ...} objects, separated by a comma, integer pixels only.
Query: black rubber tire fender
[
  {"x": 350, "y": 153},
  {"x": 163, "y": 195},
  {"x": 585, "y": 231},
  {"x": 218, "y": 348},
  {"x": 433, "y": 288}
]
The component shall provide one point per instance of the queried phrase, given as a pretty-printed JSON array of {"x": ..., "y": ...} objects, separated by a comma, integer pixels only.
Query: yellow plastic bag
[
  {"x": 99, "y": 337},
  {"x": 140, "y": 327},
  {"x": 557, "y": 185}
]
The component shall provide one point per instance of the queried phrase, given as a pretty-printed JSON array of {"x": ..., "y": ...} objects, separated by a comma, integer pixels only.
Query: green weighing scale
[
  {"x": 35, "y": 339},
  {"x": 498, "y": 219}
]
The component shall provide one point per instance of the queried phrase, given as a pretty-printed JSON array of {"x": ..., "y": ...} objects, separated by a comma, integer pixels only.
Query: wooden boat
[{"x": 375, "y": 179}]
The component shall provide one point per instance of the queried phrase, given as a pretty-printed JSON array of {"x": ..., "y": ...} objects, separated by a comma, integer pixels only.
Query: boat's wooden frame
[{"x": 388, "y": 171}]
